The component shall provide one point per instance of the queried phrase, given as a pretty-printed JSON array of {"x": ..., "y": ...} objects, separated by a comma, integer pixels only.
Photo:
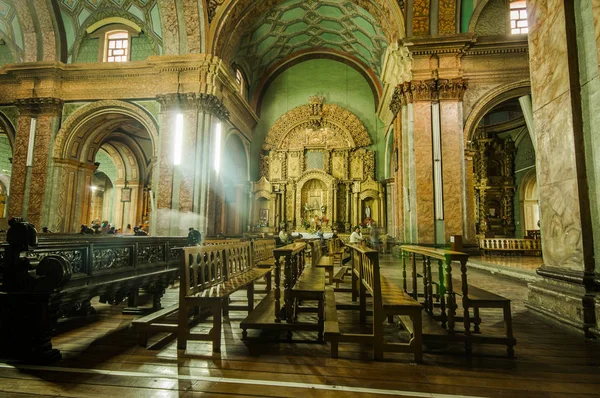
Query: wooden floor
[{"x": 101, "y": 358}]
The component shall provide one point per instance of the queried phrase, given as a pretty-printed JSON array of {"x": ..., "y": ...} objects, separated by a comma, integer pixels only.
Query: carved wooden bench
[
  {"x": 209, "y": 276},
  {"x": 389, "y": 300}
]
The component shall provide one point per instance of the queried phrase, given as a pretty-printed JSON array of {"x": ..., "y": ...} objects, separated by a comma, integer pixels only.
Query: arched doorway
[
  {"x": 503, "y": 154},
  {"x": 112, "y": 137},
  {"x": 530, "y": 205}
]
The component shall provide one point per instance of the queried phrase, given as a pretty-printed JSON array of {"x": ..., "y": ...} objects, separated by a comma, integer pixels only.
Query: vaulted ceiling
[{"x": 297, "y": 25}]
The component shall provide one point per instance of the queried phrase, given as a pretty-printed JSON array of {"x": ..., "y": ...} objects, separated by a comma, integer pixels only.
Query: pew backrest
[
  {"x": 263, "y": 249},
  {"x": 207, "y": 266},
  {"x": 366, "y": 261}
]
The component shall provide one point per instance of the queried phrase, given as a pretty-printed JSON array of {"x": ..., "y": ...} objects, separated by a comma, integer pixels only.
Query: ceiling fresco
[
  {"x": 79, "y": 14},
  {"x": 296, "y": 25},
  {"x": 10, "y": 29}
]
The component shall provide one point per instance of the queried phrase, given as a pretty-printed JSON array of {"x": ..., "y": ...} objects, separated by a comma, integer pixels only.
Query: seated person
[
  {"x": 357, "y": 238},
  {"x": 284, "y": 237}
]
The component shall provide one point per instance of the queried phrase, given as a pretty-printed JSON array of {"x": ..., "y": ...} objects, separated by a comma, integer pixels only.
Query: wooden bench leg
[
  {"x": 509, "y": 330},
  {"x": 269, "y": 281},
  {"x": 183, "y": 328},
  {"x": 321, "y": 315},
  {"x": 216, "y": 330},
  {"x": 250, "y": 295},
  {"x": 330, "y": 271},
  {"x": 417, "y": 339},
  {"x": 334, "y": 347},
  {"x": 143, "y": 337},
  {"x": 226, "y": 307},
  {"x": 476, "y": 320},
  {"x": 362, "y": 296},
  {"x": 378, "y": 341}
]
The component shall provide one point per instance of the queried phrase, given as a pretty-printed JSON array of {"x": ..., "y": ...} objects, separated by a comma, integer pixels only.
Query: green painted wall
[
  {"x": 338, "y": 83},
  {"x": 466, "y": 12},
  {"x": 6, "y": 56},
  {"x": 88, "y": 50},
  {"x": 141, "y": 47},
  {"x": 5, "y": 154},
  {"x": 107, "y": 166}
]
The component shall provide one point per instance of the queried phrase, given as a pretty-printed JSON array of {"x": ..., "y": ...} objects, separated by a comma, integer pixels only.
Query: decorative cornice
[
  {"x": 396, "y": 102},
  {"x": 37, "y": 106},
  {"x": 192, "y": 101}
]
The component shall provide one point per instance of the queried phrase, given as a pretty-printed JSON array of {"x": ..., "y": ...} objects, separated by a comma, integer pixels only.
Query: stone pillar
[
  {"x": 40, "y": 117},
  {"x": 567, "y": 290},
  {"x": 423, "y": 93},
  {"x": 450, "y": 93},
  {"x": 334, "y": 192},
  {"x": 184, "y": 194}
]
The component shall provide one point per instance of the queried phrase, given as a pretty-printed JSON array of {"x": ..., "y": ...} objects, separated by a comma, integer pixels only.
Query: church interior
[{"x": 285, "y": 197}]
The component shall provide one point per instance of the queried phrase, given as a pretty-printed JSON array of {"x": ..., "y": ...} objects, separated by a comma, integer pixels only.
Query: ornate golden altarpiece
[
  {"x": 494, "y": 185},
  {"x": 315, "y": 170}
]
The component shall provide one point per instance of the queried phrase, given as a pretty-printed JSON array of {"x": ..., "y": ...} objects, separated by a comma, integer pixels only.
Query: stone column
[
  {"x": 40, "y": 117},
  {"x": 450, "y": 93},
  {"x": 184, "y": 194},
  {"x": 423, "y": 93},
  {"x": 567, "y": 290},
  {"x": 334, "y": 192}
]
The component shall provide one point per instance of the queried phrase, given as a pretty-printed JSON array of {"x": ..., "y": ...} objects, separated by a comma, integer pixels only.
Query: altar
[{"x": 316, "y": 171}]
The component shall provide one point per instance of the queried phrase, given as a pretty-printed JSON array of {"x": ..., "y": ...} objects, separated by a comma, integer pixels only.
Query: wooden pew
[
  {"x": 209, "y": 275},
  {"x": 510, "y": 246},
  {"x": 280, "y": 309},
  {"x": 389, "y": 300},
  {"x": 472, "y": 297},
  {"x": 328, "y": 262},
  {"x": 68, "y": 273}
]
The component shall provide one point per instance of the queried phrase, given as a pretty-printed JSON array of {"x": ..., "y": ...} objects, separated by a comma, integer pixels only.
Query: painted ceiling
[
  {"x": 296, "y": 25},
  {"x": 78, "y": 14},
  {"x": 10, "y": 30}
]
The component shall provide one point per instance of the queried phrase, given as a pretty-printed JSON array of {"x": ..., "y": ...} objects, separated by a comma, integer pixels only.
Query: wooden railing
[
  {"x": 444, "y": 260},
  {"x": 488, "y": 245},
  {"x": 292, "y": 257}
]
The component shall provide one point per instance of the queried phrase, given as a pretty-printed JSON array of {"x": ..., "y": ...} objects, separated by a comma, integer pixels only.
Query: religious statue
[
  {"x": 323, "y": 209},
  {"x": 368, "y": 211}
]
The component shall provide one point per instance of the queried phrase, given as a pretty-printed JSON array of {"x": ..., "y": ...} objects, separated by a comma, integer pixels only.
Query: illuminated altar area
[{"x": 316, "y": 170}]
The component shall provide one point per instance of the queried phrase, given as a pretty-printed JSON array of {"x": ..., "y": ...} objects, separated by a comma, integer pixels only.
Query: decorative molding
[
  {"x": 326, "y": 116},
  {"x": 193, "y": 101},
  {"x": 211, "y": 8},
  {"x": 36, "y": 106},
  {"x": 452, "y": 88},
  {"x": 427, "y": 90}
]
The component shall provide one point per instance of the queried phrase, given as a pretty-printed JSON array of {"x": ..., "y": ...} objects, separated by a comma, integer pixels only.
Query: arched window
[
  {"x": 116, "y": 47},
  {"x": 518, "y": 17},
  {"x": 239, "y": 78}
]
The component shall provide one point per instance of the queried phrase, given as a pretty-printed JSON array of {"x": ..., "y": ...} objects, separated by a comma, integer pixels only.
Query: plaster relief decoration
[{"x": 316, "y": 148}]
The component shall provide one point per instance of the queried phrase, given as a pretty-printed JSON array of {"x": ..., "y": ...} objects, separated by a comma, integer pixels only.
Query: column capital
[
  {"x": 39, "y": 106},
  {"x": 452, "y": 89}
]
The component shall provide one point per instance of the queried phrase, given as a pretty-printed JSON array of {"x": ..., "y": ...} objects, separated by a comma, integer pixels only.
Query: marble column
[
  {"x": 398, "y": 174},
  {"x": 567, "y": 290},
  {"x": 423, "y": 93},
  {"x": 184, "y": 191},
  {"x": 450, "y": 93},
  {"x": 40, "y": 117}
]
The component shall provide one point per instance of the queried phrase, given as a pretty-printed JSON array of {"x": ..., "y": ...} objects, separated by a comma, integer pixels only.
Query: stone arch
[
  {"x": 389, "y": 147},
  {"x": 7, "y": 127},
  {"x": 333, "y": 116},
  {"x": 84, "y": 114},
  {"x": 491, "y": 99}
]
